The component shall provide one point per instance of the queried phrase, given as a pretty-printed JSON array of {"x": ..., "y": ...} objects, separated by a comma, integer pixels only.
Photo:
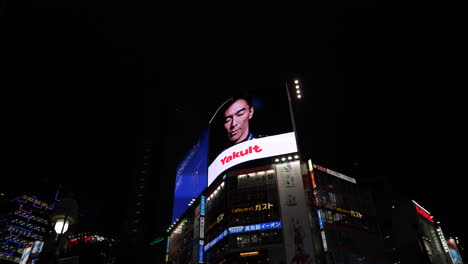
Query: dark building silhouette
[{"x": 416, "y": 235}]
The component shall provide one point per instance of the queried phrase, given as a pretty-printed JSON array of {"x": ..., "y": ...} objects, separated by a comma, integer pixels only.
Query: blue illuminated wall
[{"x": 191, "y": 175}]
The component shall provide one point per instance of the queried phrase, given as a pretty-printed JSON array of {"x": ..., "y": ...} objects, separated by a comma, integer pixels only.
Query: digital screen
[
  {"x": 250, "y": 125},
  {"x": 191, "y": 176}
]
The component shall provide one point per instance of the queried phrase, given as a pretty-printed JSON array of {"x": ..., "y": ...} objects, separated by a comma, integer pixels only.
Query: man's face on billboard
[{"x": 236, "y": 120}]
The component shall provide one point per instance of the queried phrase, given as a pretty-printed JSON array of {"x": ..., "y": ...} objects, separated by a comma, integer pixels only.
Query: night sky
[{"x": 385, "y": 94}]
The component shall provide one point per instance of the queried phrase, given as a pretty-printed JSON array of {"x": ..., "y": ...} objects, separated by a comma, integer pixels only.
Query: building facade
[
  {"x": 418, "y": 238},
  {"x": 263, "y": 202},
  {"x": 278, "y": 210},
  {"x": 24, "y": 225}
]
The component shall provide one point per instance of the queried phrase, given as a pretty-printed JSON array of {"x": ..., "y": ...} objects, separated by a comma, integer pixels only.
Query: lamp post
[{"x": 65, "y": 215}]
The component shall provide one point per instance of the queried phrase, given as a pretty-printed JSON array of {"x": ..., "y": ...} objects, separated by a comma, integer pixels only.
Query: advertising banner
[
  {"x": 191, "y": 176},
  {"x": 296, "y": 229},
  {"x": 454, "y": 252},
  {"x": 250, "y": 125}
]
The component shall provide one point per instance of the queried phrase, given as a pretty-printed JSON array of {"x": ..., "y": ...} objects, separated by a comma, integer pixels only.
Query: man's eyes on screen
[{"x": 240, "y": 113}]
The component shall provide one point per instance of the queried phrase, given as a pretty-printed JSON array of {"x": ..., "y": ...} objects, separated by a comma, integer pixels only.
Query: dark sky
[{"x": 81, "y": 82}]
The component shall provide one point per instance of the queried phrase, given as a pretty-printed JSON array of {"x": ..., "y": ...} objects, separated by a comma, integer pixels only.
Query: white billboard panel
[{"x": 252, "y": 150}]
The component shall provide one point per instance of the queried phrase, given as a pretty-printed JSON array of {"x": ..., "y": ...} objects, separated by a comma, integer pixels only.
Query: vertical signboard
[
  {"x": 248, "y": 126},
  {"x": 196, "y": 232},
  {"x": 202, "y": 229},
  {"x": 26, "y": 253},
  {"x": 294, "y": 215}
]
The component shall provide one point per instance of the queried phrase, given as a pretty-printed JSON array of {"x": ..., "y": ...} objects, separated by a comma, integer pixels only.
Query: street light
[
  {"x": 62, "y": 218},
  {"x": 65, "y": 215},
  {"x": 61, "y": 225}
]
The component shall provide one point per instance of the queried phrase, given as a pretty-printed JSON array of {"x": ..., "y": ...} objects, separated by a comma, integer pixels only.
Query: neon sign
[
  {"x": 242, "y": 229},
  {"x": 350, "y": 212},
  {"x": 424, "y": 213},
  {"x": 257, "y": 207}
]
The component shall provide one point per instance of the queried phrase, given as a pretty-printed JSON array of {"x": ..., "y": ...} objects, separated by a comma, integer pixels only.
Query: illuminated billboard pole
[
  {"x": 295, "y": 213},
  {"x": 291, "y": 109}
]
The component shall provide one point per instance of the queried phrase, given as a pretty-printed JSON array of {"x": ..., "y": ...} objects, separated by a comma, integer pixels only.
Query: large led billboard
[
  {"x": 191, "y": 175},
  {"x": 250, "y": 125}
]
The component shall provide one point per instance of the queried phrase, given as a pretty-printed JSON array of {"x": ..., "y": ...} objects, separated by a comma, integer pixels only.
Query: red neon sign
[{"x": 423, "y": 213}]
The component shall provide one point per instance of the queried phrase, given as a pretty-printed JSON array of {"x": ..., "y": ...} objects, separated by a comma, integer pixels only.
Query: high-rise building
[
  {"x": 137, "y": 226},
  {"x": 24, "y": 224},
  {"x": 418, "y": 238}
]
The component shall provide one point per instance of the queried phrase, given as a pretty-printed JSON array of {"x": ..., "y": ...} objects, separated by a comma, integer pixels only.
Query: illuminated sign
[
  {"x": 200, "y": 252},
  {"x": 218, "y": 219},
  {"x": 257, "y": 207},
  {"x": 202, "y": 205},
  {"x": 242, "y": 130},
  {"x": 350, "y": 212},
  {"x": 256, "y": 227},
  {"x": 191, "y": 176},
  {"x": 216, "y": 240},
  {"x": 324, "y": 241},
  {"x": 34, "y": 201},
  {"x": 319, "y": 213},
  {"x": 249, "y": 254},
  {"x": 251, "y": 150},
  {"x": 241, "y": 229},
  {"x": 168, "y": 244},
  {"x": 157, "y": 240},
  {"x": 424, "y": 213},
  {"x": 25, "y": 256},
  {"x": 334, "y": 173},
  {"x": 202, "y": 227},
  {"x": 442, "y": 239}
]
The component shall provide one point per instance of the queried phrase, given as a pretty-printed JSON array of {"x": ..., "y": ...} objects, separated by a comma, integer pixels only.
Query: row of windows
[
  {"x": 13, "y": 258},
  {"x": 244, "y": 240},
  {"x": 32, "y": 217}
]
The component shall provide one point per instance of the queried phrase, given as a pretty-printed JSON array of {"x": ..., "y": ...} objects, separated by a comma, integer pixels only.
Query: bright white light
[
  {"x": 297, "y": 86},
  {"x": 283, "y": 159},
  {"x": 298, "y": 91},
  {"x": 289, "y": 158},
  {"x": 59, "y": 225},
  {"x": 299, "y": 96},
  {"x": 296, "y": 81},
  {"x": 296, "y": 156},
  {"x": 276, "y": 160}
]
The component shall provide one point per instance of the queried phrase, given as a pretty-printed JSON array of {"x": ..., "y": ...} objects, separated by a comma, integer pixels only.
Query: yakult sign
[
  {"x": 251, "y": 150},
  {"x": 248, "y": 126}
]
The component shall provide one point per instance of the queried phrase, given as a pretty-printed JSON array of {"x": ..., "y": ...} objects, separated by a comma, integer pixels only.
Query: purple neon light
[
  {"x": 27, "y": 217},
  {"x": 22, "y": 201},
  {"x": 35, "y": 202},
  {"x": 9, "y": 240},
  {"x": 50, "y": 208},
  {"x": 7, "y": 253},
  {"x": 21, "y": 206},
  {"x": 4, "y": 219},
  {"x": 20, "y": 228},
  {"x": 11, "y": 234},
  {"x": 53, "y": 204}
]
